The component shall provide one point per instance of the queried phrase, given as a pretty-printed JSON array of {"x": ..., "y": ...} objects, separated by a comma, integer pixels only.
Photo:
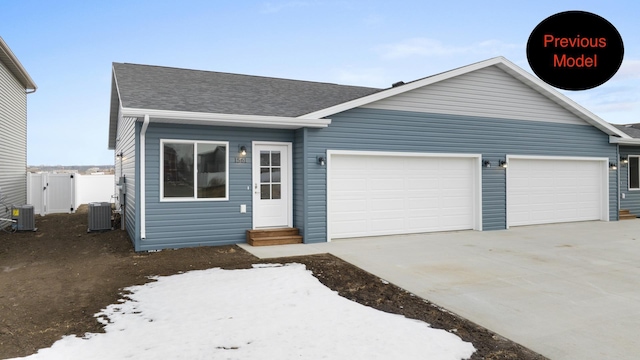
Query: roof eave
[
  {"x": 114, "y": 111},
  {"x": 624, "y": 141},
  {"x": 215, "y": 119},
  {"x": 16, "y": 68}
]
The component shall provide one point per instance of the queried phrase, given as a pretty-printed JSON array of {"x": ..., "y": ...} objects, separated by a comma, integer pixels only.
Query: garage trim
[
  {"x": 477, "y": 201},
  {"x": 604, "y": 210}
]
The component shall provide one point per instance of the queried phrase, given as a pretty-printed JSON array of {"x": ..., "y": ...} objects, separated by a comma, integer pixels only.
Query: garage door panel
[
  {"x": 386, "y": 204},
  {"x": 350, "y": 228},
  {"x": 351, "y": 165},
  {"x": 430, "y": 184},
  {"x": 349, "y": 185},
  {"x": 351, "y": 204},
  {"x": 551, "y": 190},
  {"x": 404, "y": 194},
  {"x": 385, "y": 185}
]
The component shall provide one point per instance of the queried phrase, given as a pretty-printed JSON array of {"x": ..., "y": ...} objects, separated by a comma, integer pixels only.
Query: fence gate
[{"x": 51, "y": 193}]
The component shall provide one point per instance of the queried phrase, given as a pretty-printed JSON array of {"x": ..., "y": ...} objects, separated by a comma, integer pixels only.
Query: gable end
[{"x": 487, "y": 92}]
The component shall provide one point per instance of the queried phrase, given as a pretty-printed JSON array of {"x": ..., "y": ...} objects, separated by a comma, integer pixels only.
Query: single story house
[
  {"x": 15, "y": 84},
  {"x": 203, "y": 156}
]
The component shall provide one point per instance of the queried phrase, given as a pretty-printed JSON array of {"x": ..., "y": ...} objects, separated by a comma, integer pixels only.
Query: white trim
[
  {"x": 617, "y": 140},
  {"x": 536, "y": 157},
  {"x": 143, "y": 179},
  {"x": 289, "y": 146},
  {"x": 214, "y": 119},
  {"x": 195, "y": 170},
  {"x": 16, "y": 68},
  {"x": 503, "y": 64},
  {"x": 477, "y": 201},
  {"x": 604, "y": 211},
  {"x": 629, "y": 188}
]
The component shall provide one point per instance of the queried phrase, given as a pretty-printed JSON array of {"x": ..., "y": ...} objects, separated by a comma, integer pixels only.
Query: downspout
[
  {"x": 619, "y": 199},
  {"x": 143, "y": 180}
]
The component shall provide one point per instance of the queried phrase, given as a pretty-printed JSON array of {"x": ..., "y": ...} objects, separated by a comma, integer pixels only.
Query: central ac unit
[
  {"x": 24, "y": 217},
  {"x": 99, "y": 216}
]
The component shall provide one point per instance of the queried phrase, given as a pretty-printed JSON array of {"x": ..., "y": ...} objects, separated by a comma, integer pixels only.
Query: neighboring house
[
  {"x": 630, "y": 168},
  {"x": 15, "y": 84},
  {"x": 342, "y": 161}
]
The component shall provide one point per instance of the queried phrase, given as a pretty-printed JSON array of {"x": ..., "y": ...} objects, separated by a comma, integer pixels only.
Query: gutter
[
  {"x": 143, "y": 164},
  {"x": 623, "y": 141},
  {"x": 217, "y": 119}
]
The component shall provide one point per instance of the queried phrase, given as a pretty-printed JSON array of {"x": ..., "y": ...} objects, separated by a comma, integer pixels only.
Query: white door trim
[
  {"x": 289, "y": 179},
  {"x": 604, "y": 211},
  {"x": 477, "y": 201}
]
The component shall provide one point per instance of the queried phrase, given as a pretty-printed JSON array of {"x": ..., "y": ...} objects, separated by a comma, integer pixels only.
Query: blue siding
[
  {"x": 299, "y": 181},
  {"x": 389, "y": 130},
  {"x": 494, "y": 195},
  {"x": 632, "y": 197},
  {"x": 199, "y": 223}
]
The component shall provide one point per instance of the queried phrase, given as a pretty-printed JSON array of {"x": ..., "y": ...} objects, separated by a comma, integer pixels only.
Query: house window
[
  {"x": 194, "y": 170},
  {"x": 270, "y": 179},
  {"x": 634, "y": 172}
]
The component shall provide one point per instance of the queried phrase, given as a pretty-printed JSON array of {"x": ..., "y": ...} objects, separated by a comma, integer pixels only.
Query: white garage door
[
  {"x": 372, "y": 195},
  {"x": 542, "y": 191}
]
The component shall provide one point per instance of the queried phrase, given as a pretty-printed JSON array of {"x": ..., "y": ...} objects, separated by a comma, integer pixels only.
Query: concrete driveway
[{"x": 566, "y": 291}]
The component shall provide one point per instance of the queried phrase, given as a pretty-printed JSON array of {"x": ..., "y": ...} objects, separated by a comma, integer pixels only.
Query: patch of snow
[
  {"x": 258, "y": 266},
  {"x": 262, "y": 313}
]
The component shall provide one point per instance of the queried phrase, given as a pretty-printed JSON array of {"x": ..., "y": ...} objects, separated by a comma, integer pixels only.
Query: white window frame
[
  {"x": 629, "y": 188},
  {"x": 195, "y": 170}
]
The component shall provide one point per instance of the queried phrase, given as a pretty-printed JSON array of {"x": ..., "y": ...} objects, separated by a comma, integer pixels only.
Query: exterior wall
[
  {"x": 178, "y": 224},
  {"x": 299, "y": 183},
  {"x": 13, "y": 138},
  {"x": 631, "y": 199},
  {"x": 488, "y": 92},
  {"x": 389, "y": 130},
  {"x": 127, "y": 166}
]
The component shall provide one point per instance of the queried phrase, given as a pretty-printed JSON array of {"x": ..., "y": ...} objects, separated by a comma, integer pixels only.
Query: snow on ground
[{"x": 268, "y": 312}]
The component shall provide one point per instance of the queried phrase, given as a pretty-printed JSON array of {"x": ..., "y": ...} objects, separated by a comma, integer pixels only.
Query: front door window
[{"x": 270, "y": 175}]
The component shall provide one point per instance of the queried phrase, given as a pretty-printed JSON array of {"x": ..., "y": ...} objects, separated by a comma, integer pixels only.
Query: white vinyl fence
[{"x": 51, "y": 193}]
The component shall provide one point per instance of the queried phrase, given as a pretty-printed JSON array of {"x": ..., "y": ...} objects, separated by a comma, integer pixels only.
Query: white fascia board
[
  {"x": 214, "y": 119},
  {"x": 503, "y": 64},
  {"x": 626, "y": 141},
  {"x": 16, "y": 67},
  {"x": 544, "y": 157}
]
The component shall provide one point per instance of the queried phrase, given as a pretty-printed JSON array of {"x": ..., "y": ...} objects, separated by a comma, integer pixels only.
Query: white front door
[{"x": 272, "y": 199}]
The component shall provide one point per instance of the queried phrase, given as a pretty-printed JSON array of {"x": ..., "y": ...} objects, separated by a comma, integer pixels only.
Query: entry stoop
[
  {"x": 626, "y": 215},
  {"x": 281, "y": 236}
]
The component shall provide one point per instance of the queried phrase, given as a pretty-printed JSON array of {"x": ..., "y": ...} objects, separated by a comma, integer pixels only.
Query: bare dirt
[{"x": 53, "y": 280}]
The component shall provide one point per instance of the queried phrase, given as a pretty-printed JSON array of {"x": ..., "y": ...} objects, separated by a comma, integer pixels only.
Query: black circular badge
[{"x": 575, "y": 50}]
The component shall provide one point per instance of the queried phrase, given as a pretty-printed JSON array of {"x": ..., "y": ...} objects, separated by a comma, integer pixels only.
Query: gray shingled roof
[
  {"x": 632, "y": 130},
  {"x": 165, "y": 88}
]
